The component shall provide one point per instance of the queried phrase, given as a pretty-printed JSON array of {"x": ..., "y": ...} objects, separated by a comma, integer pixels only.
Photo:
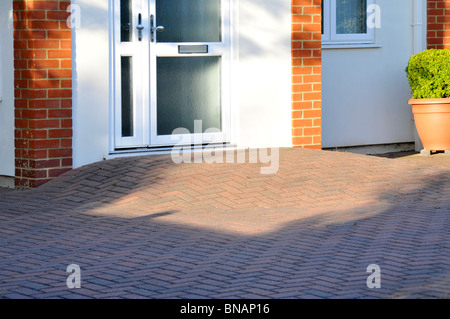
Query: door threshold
[{"x": 163, "y": 150}]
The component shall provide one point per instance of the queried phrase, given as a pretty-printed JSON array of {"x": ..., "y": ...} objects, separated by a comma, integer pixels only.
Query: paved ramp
[{"x": 144, "y": 227}]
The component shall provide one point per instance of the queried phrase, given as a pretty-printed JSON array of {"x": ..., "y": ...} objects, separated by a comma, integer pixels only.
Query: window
[{"x": 345, "y": 22}]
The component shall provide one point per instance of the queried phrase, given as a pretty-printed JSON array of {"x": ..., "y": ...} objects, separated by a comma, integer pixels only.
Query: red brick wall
[
  {"x": 43, "y": 85},
  {"x": 438, "y": 24},
  {"x": 306, "y": 74},
  {"x": 43, "y": 91}
]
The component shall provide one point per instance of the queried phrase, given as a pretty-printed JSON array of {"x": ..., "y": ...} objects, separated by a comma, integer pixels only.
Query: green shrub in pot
[
  {"x": 429, "y": 78},
  {"x": 429, "y": 74}
]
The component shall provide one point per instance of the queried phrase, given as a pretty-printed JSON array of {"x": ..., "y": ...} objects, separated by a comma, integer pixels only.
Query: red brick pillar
[
  {"x": 306, "y": 74},
  {"x": 43, "y": 91},
  {"x": 438, "y": 35}
]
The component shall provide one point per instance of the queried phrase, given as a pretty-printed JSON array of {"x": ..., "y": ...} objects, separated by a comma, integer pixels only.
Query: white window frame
[{"x": 330, "y": 36}]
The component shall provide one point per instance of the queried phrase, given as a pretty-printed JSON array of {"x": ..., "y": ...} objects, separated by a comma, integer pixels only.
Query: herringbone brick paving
[{"x": 145, "y": 227}]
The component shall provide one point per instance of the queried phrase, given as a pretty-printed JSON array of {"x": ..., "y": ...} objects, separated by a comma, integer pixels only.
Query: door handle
[
  {"x": 158, "y": 28},
  {"x": 140, "y": 27},
  {"x": 154, "y": 29}
]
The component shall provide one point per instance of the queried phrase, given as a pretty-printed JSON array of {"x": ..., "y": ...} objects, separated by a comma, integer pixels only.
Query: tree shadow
[{"x": 256, "y": 38}]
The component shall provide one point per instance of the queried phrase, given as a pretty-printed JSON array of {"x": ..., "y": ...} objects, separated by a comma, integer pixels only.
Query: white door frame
[
  {"x": 222, "y": 49},
  {"x": 144, "y": 53},
  {"x": 135, "y": 50}
]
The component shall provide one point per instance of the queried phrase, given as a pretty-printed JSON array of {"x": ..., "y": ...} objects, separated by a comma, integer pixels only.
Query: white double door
[{"x": 171, "y": 72}]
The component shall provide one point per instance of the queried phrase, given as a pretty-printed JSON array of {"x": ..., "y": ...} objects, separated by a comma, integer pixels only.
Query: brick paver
[{"x": 144, "y": 227}]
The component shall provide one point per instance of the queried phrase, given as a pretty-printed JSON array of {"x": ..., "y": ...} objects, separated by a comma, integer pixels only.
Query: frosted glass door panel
[
  {"x": 126, "y": 31},
  {"x": 188, "y": 89},
  {"x": 189, "y": 20},
  {"x": 127, "y": 96}
]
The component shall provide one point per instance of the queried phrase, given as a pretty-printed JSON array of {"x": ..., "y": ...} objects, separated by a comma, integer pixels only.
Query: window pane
[
  {"x": 189, "y": 20},
  {"x": 351, "y": 16},
  {"x": 127, "y": 96},
  {"x": 188, "y": 89},
  {"x": 125, "y": 21},
  {"x": 321, "y": 15}
]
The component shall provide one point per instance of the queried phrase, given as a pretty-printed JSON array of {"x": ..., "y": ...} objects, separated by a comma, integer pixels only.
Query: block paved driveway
[{"x": 145, "y": 227}]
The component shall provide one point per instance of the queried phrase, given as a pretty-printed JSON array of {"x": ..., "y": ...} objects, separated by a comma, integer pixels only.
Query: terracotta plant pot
[{"x": 432, "y": 117}]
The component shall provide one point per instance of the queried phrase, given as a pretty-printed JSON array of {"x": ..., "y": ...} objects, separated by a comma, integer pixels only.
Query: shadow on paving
[{"x": 257, "y": 252}]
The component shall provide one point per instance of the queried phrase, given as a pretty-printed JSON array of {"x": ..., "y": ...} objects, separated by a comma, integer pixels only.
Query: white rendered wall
[
  {"x": 261, "y": 77},
  {"x": 365, "y": 91},
  {"x": 91, "y": 74},
  {"x": 264, "y": 73},
  {"x": 6, "y": 90}
]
